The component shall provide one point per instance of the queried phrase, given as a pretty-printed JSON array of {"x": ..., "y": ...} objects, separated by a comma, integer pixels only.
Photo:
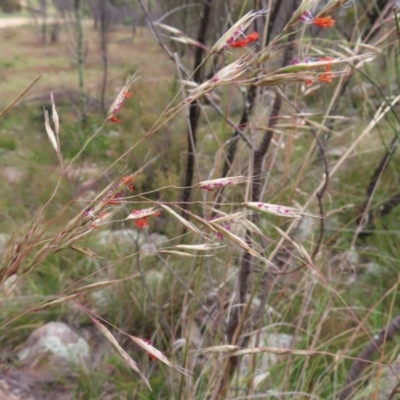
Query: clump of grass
[{"x": 233, "y": 271}]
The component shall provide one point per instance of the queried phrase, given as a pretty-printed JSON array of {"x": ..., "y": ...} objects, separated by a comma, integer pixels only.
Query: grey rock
[
  {"x": 265, "y": 360},
  {"x": 129, "y": 238},
  {"x": 121, "y": 237},
  {"x": 52, "y": 351}
]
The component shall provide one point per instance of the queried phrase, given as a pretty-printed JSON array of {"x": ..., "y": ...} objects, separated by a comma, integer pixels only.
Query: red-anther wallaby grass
[{"x": 207, "y": 192}]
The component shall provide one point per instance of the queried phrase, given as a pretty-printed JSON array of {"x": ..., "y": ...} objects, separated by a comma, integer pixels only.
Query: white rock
[
  {"x": 12, "y": 174},
  {"x": 353, "y": 255},
  {"x": 268, "y": 310},
  {"x": 129, "y": 239},
  {"x": 157, "y": 239},
  {"x": 53, "y": 350},
  {"x": 100, "y": 298},
  {"x": 89, "y": 171},
  {"x": 154, "y": 279},
  {"x": 121, "y": 237},
  {"x": 114, "y": 134},
  {"x": 305, "y": 229},
  {"x": 152, "y": 243},
  {"x": 372, "y": 268},
  {"x": 336, "y": 152}
]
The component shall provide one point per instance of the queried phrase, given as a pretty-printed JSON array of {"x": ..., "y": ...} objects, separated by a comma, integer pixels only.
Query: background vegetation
[{"x": 326, "y": 149}]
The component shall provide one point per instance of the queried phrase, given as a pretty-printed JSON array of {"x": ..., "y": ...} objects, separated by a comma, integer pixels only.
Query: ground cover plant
[{"x": 210, "y": 199}]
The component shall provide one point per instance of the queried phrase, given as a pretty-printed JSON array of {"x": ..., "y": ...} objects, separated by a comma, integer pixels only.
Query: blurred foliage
[{"x": 10, "y": 6}]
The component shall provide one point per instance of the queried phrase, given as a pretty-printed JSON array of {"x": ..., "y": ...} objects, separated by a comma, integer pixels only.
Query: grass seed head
[
  {"x": 125, "y": 356},
  {"x": 54, "y": 115},
  {"x": 50, "y": 133},
  {"x": 120, "y": 100},
  {"x": 156, "y": 354},
  {"x": 275, "y": 209},
  {"x": 215, "y": 184},
  {"x": 145, "y": 212},
  {"x": 236, "y": 31}
]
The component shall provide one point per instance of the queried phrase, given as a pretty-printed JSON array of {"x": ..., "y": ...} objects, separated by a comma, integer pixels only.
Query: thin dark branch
[
  {"x": 273, "y": 17},
  {"x": 366, "y": 355},
  {"x": 320, "y": 195},
  {"x": 244, "y": 120},
  {"x": 238, "y": 315},
  {"x": 244, "y": 273},
  {"x": 262, "y": 150},
  {"x": 259, "y": 161},
  {"x": 382, "y": 166},
  {"x": 394, "y": 391},
  {"x": 247, "y": 109},
  {"x": 365, "y": 216},
  {"x": 80, "y": 59},
  {"x": 376, "y": 18},
  {"x": 259, "y": 156},
  {"x": 194, "y": 111},
  {"x": 231, "y": 152},
  {"x": 387, "y": 207},
  {"x": 245, "y": 265},
  {"x": 188, "y": 75}
]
